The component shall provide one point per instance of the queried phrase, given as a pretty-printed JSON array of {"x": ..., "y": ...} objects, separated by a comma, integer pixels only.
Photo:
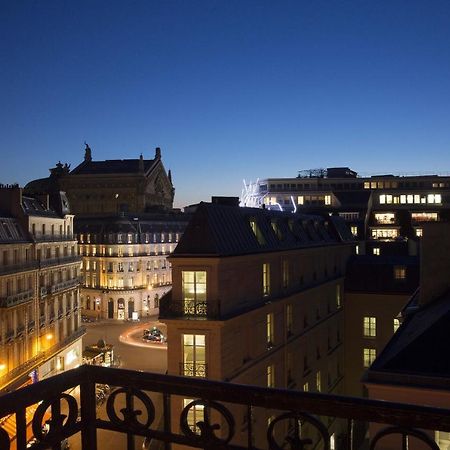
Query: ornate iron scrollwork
[
  {"x": 4, "y": 440},
  {"x": 195, "y": 308},
  {"x": 58, "y": 423},
  {"x": 405, "y": 433},
  {"x": 295, "y": 439},
  {"x": 130, "y": 414},
  {"x": 207, "y": 431}
]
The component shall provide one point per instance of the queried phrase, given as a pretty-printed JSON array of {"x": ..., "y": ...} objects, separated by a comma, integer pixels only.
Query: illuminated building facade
[
  {"x": 381, "y": 208},
  {"x": 125, "y": 270},
  {"x": 126, "y": 227},
  {"x": 40, "y": 332},
  {"x": 257, "y": 299}
]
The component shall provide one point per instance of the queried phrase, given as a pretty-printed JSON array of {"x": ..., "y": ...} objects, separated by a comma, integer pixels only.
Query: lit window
[
  {"x": 333, "y": 442},
  {"x": 384, "y": 233},
  {"x": 285, "y": 273},
  {"x": 376, "y": 251},
  {"x": 318, "y": 381},
  {"x": 327, "y": 199},
  {"x": 270, "y": 376},
  {"x": 289, "y": 319},
  {"x": 269, "y": 330},
  {"x": 300, "y": 200},
  {"x": 276, "y": 229},
  {"x": 416, "y": 198},
  {"x": 399, "y": 272},
  {"x": 419, "y": 232},
  {"x": 373, "y": 184},
  {"x": 257, "y": 232},
  {"x": 410, "y": 198},
  {"x": 306, "y": 387},
  {"x": 369, "y": 355},
  {"x": 194, "y": 292},
  {"x": 357, "y": 249},
  {"x": 338, "y": 296},
  {"x": 388, "y": 199},
  {"x": 396, "y": 324},
  {"x": 403, "y": 199},
  {"x": 382, "y": 199},
  {"x": 194, "y": 355},
  {"x": 354, "y": 230},
  {"x": 266, "y": 279},
  {"x": 424, "y": 217},
  {"x": 195, "y": 415},
  {"x": 369, "y": 326},
  {"x": 366, "y": 185},
  {"x": 385, "y": 218}
]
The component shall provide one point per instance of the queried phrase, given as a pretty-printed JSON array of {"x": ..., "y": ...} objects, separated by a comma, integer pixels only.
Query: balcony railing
[
  {"x": 39, "y": 237},
  {"x": 197, "y": 369},
  {"x": 34, "y": 361},
  {"x": 19, "y": 267},
  {"x": 60, "y": 260},
  {"x": 298, "y": 419},
  {"x": 16, "y": 299}
]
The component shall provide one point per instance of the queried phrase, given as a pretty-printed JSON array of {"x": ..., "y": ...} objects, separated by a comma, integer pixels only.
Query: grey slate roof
[
  {"x": 112, "y": 166},
  {"x": 223, "y": 230}
]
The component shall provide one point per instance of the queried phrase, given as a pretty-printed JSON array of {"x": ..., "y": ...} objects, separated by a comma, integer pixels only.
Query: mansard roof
[
  {"x": 113, "y": 166},
  {"x": 11, "y": 230},
  {"x": 224, "y": 230},
  {"x": 417, "y": 354}
]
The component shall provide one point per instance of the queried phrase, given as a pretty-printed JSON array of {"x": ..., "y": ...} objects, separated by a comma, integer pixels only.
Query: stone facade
[{"x": 40, "y": 332}]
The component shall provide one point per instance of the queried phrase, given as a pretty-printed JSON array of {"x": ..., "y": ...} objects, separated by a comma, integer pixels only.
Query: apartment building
[
  {"x": 414, "y": 366},
  {"x": 40, "y": 332},
  {"x": 257, "y": 298},
  {"x": 377, "y": 289},
  {"x": 125, "y": 269},
  {"x": 126, "y": 226},
  {"x": 377, "y": 208}
]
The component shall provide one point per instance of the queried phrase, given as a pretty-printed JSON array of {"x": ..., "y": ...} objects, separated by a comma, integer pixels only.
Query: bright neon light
[{"x": 295, "y": 206}]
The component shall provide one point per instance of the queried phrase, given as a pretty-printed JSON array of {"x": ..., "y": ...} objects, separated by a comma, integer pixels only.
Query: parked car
[{"x": 154, "y": 335}]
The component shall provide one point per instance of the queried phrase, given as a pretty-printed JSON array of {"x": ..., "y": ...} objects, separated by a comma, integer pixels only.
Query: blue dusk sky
[{"x": 228, "y": 89}]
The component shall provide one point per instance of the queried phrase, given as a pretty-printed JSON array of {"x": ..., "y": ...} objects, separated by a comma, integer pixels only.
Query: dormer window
[
  {"x": 276, "y": 229},
  {"x": 257, "y": 232}
]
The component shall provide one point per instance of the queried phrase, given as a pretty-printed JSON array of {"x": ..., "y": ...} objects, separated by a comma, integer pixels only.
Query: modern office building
[
  {"x": 126, "y": 227},
  {"x": 377, "y": 208},
  {"x": 40, "y": 330},
  {"x": 257, "y": 299}
]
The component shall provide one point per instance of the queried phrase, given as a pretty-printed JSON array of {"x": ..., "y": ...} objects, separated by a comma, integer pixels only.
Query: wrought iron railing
[
  {"x": 195, "y": 308},
  {"x": 298, "y": 419},
  {"x": 197, "y": 369}
]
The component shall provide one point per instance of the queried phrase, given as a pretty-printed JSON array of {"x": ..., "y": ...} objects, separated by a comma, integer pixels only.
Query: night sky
[{"x": 228, "y": 89}]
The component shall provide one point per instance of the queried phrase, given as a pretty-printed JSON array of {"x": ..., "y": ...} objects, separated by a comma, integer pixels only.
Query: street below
[{"x": 131, "y": 352}]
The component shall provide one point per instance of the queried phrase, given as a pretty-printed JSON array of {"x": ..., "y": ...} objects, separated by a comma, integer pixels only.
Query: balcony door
[{"x": 194, "y": 355}]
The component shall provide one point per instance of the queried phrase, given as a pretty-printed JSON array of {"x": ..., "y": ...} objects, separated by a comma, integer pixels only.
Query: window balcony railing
[
  {"x": 6, "y": 269},
  {"x": 299, "y": 420},
  {"x": 59, "y": 261},
  {"x": 197, "y": 369},
  {"x": 39, "y": 237},
  {"x": 195, "y": 308},
  {"x": 16, "y": 299},
  {"x": 34, "y": 361}
]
